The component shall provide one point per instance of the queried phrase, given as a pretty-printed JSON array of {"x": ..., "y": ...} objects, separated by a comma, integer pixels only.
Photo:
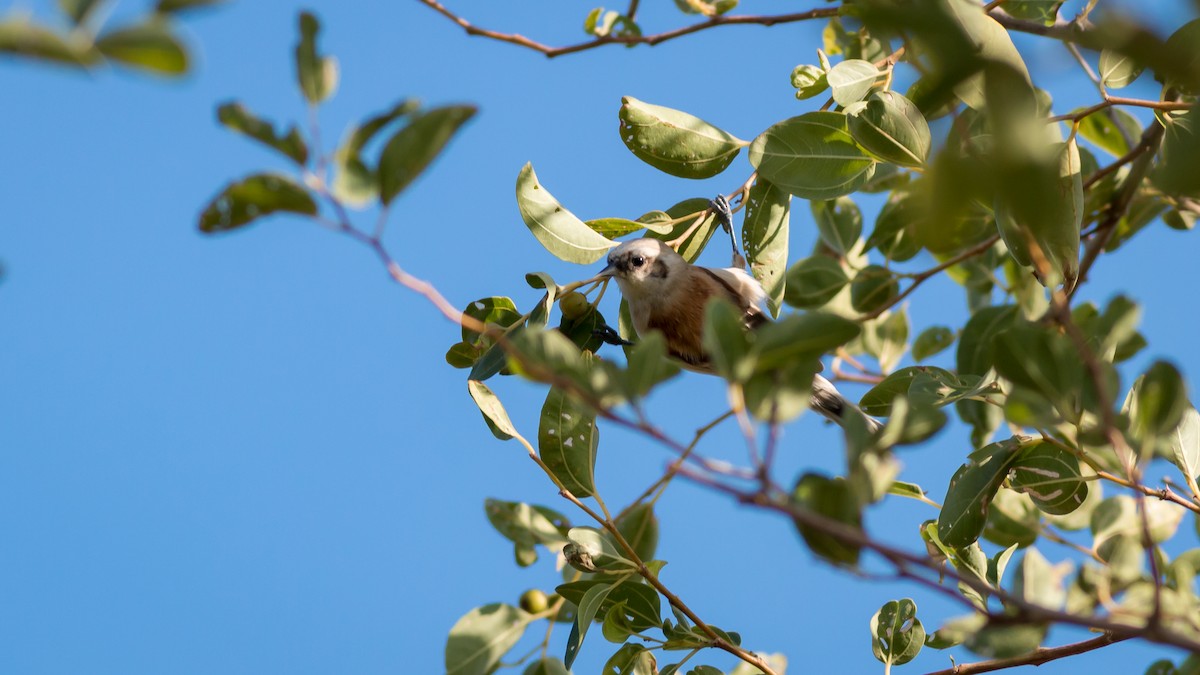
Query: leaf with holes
[
  {"x": 255, "y": 197},
  {"x": 765, "y": 239},
  {"x": 1051, "y": 477},
  {"x": 896, "y": 632},
  {"x": 567, "y": 441},
  {"x": 971, "y": 490}
]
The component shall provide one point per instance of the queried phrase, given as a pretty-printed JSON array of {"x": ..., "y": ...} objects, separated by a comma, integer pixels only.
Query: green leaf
[
  {"x": 1040, "y": 208},
  {"x": 527, "y": 525},
  {"x": 814, "y": 281},
  {"x": 582, "y": 329},
  {"x": 1178, "y": 170},
  {"x": 765, "y": 239},
  {"x": 316, "y": 74},
  {"x": 547, "y": 666},
  {"x": 235, "y": 116},
  {"x": 798, "y": 336},
  {"x": 1039, "y": 582},
  {"x": 588, "y": 606},
  {"x": 993, "y": 43},
  {"x": 975, "y": 343},
  {"x": 1160, "y": 400},
  {"x": 695, "y": 207},
  {"x": 851, "y": 80},
  {"x": 1012, "y": 520},
  {"x": 493, "y": 411},
  {"x": 496, "y": 310},
  {"x": 1111, "y": 130},
  {"x": 675, "y": 142},
  {"x": 1118, "y": 70},
  {"x": 254, "y": 197},
  {"x": 809, "y": 81},
  {"x": 23, "y": 37},
  {"x": 873, "y": 287},
  {"x": 896, "y": 226},
  {"x": 178, "y": 6},
  {"x": 896, "y": 633},
  {"x": 1185, "y": 445},
  {"x": 812, "y": 156},
  {"x": 149, "y": 46},
  {"x": 903, "y": 489},
  {"x": 567, "y": 441},
  {"x": 648, "y": 365},
  {"x": 1042, "y": 11},
  {"x": 1051, "y": 477},
  {"x": 839, "y": 223},
  {"x": 559, "y": 230},
  {"x": 413, "y": 148},
  {"x": 833, "y": 499},
  {"x": 892, "y": 129},
  {"x": 931, "y": 341},
  {"x": 592, "y": 550},
  {"x": 631, "y": 659},
  {"x": 482, "y": 637},
  {"x": 354, "y": 181},
  {"x": 965, "y": 509},
  {"x": 613, "y": 228},
  {"x": 879, "y": 400},
  {"x": 1007, "y": 640},
  {"x": 639, "y": 526},
  {"x": 78, "y": 11},
  {"x": 726, "y": 341}
]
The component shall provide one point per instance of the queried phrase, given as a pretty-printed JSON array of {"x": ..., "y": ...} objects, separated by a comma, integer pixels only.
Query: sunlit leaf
[
  {"x": 851, "y": 80},
  {"x": 316, "y": 74},
  {"x": 892, "y": 129},
  {"x": 482, "y": 637},
  {"x": 149, "y": 46},
  {"x": 559, "y": 230},
  {"x": 896, "y": 632},
  {"x": 765, "y": 239}
]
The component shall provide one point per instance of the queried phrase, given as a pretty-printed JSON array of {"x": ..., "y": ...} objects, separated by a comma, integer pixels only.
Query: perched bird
[{"x": 668, "y": 294}]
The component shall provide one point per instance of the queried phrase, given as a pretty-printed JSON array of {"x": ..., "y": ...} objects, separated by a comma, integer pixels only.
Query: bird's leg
[
  {"x": 720, "y": 206},
  {"x": 608, "y": 335}
]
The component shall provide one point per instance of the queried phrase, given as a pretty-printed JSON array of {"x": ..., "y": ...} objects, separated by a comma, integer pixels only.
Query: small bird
[{"x": 668, "y": 294}]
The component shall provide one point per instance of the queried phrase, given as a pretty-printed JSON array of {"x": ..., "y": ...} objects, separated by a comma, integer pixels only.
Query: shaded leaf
[
  {"x": 833, "y": 499},
  {"x": 255, "y": 197},
  {"x": 675, "y": 142},
  {"x": 839, "y": 223},
  {"x": 892, "y": 129},
  {"x": 814, "y": 281},
  {"x": 765, "y": 239},
  {"x": 149, "y": 46},
  {"x": 897, "y": 633},
  {"x": 1051, "y": 477},
  {"x": 413, "y": 148},
  {"x": 235, "y": 116},
  {"x": 931, "y": 341},
  {"x": 23, "y": 37},
  {"x": 812, "y": 156},
  {"x": 316, "y": 74},
  {"x": 974, "y": 484},
  {"x": 567, "y": 441}
]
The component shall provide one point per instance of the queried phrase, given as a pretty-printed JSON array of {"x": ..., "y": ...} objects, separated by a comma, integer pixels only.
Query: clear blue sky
[{"x": 245, "y": 454}]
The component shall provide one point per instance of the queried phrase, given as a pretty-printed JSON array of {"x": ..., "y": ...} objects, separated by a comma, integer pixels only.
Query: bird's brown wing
[{"x": 752, "y": 316}]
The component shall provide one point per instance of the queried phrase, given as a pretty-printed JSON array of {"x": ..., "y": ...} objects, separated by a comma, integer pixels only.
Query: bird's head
[{"x": 644, "y": 266}]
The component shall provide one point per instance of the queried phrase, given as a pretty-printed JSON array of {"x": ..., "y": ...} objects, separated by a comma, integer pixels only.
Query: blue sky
[{"x": 245, "y": 454}]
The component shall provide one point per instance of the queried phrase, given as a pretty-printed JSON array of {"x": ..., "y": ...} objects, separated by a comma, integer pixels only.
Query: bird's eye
[{"x": 638, "y": 261}]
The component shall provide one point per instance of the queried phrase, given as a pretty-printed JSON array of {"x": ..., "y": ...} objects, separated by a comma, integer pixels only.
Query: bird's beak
[{"x": 608, "y": 272}]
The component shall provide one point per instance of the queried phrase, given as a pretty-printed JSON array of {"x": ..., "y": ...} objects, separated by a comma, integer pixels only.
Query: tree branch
[
  {"x": 1034, "y": 658},
  {"x": 650, "y": 40}
]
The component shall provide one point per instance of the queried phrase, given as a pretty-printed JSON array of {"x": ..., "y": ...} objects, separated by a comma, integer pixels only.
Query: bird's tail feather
[{"x": 830, "y": 403}]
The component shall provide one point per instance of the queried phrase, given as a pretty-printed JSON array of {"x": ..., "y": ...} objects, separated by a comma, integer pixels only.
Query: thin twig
[
  {"x": 921, "y": 277},
  {"x": 650, "y": 40},
  {"x": 1034, "y": 658}
]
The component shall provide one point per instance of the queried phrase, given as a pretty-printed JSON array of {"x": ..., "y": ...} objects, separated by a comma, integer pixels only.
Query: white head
[{"x": 644, "y": 267}]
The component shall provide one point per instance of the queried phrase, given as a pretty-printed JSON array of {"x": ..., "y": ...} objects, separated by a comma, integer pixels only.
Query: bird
[{"x": 668, "y": 294}]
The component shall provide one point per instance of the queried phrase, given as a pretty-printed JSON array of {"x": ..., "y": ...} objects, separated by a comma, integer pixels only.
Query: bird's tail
[{"x": 830, "y": 403}]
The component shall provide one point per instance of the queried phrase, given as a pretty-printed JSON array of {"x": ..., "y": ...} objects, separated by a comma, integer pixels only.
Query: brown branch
[
  {"x": 650, "y": 40},
  {"x": 1018, "y": 608},
  {"x": 1143, "y": 154},
  {"x": 1034, "y": 658},
  {"x": 920, "y": 277}
]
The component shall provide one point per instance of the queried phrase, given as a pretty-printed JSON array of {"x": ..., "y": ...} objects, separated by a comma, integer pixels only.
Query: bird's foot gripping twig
[
  {"x": 720, "y": 206},
  {"x": 610, "y": 336}
]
